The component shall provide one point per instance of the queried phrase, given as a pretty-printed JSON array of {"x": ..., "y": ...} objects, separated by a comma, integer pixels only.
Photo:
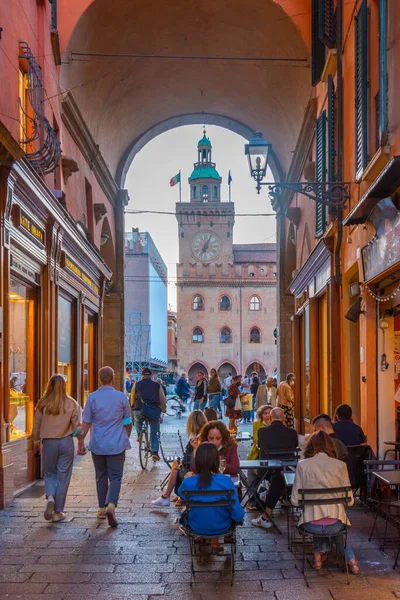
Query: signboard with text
[{"x": 383, "y": 251}]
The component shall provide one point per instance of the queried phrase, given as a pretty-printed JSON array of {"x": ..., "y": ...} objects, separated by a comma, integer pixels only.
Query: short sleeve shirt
[
  {"x": 108, "y": 411},
  {"x": 349, "y": 433}
]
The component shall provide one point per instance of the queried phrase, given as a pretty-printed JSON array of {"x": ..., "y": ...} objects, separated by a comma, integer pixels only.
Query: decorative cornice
[
  {"x": 224, "y": 283},
  {"x": 77, "y": 127}
]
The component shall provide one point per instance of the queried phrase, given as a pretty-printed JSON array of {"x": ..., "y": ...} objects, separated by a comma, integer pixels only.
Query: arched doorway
[
  {"x": 194, "y": 369},
  {"x": 225, "y": 369},
  {"x": 258, "y": 368}
]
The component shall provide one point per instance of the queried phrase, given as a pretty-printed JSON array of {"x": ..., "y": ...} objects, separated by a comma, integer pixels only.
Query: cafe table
[
  {"x": 392, "y": 479},
  {"x": 395, "y": 449}
]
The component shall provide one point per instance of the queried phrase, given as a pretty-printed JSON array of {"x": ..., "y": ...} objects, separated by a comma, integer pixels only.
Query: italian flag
[{"x": 174, "y": 180}]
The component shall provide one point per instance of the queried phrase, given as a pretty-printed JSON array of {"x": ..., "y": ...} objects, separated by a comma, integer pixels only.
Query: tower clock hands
[{"x": 204, "y": 249}]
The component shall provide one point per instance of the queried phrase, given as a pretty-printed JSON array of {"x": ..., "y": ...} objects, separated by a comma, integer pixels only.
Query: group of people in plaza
[{"x": 210, "y": 460}]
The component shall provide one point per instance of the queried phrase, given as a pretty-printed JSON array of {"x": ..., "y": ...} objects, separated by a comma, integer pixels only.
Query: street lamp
[{"x": 330, "y": 193}]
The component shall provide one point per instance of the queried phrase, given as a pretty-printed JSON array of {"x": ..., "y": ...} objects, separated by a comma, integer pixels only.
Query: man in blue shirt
[
  {"x": 182, "y": 388},
  {"x": 348, "y": 432},
  {"x": 108, "y": 414}
]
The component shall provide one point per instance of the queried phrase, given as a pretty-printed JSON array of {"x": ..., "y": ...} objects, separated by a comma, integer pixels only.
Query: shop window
[
  {"x": 225, "y": 303},
  {"x": 89, "y": 354},
  {"x": 255, "y": 336},
  {"x": 66, "y": 328},
  {"x": 22, "y": 343},
  {"x": 197, "y": 336},
  {"x": 198, "y": 303},
  {"x": 255, "y": 303},
  {"x": 226, "y": 336}
]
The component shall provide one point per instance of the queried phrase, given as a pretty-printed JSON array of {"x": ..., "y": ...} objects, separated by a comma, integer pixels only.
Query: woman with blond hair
[
  {"x": 57, "y": 419},
  {"x": 195, "y": 422}
]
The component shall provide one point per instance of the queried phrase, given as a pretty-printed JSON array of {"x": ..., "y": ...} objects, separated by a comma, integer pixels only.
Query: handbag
[
  {"x": 229, "y": 402},
  {"x": 151, "y": 409}
]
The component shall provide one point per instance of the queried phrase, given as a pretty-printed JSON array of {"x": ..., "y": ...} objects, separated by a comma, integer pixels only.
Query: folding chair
[
  {"x": 310, "y": 497},
  {"x": 381, "y": 505},
  {"x": 198, "y": 499}
]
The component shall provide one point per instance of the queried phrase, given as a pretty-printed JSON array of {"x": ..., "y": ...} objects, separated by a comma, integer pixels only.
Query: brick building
[
  {"x": 226, "y": 292},
  {"x": 172, "y": 341}
]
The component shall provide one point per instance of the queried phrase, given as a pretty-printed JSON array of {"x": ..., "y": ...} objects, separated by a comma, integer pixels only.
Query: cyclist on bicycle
[
  {"x": 152, "y": 394},
  {"x": 182, "y": 388}
]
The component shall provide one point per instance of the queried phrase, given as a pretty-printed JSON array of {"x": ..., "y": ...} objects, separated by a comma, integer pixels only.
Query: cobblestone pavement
[{"x": 147, "y": 558}]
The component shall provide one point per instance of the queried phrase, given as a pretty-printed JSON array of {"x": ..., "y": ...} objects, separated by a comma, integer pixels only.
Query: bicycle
[
  {"x": 175, "y": 406},
  {"x": 144, "y": 443}
]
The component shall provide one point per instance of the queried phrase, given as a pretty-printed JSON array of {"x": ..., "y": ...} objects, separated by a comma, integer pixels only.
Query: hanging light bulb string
[{"x": 382, "y": 298}]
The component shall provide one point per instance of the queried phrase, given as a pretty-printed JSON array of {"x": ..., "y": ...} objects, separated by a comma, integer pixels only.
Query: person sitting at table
[
  {"x": 323, "y": 422},
  {"x": 346, "y": 430},
  {"x": 276, "y": 437},
  {"x": 215, "y": 520},
  {"x": 263, "y": 419},
  {"x": 215, "y": 432},
  {"x": 195, "y": 422},
  {"x": 321, "y": 469}
]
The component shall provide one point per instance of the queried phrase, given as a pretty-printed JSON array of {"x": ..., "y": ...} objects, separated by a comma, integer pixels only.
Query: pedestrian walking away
[
  {"x": 150, "y": 403},
  {"x": 108, "y": 415},
  {"x": 57, "y": 420}
]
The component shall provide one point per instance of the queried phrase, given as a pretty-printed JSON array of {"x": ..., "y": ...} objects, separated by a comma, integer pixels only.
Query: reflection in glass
[
  {"x": 89, "y": 367},
  {"x": 65, "y": 335},
  {"x": 307, "y": 360},
  {"x": 22, "y": 340}
]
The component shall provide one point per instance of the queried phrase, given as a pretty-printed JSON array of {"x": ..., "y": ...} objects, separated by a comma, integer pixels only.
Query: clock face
[{"x": 206, "y": 246}]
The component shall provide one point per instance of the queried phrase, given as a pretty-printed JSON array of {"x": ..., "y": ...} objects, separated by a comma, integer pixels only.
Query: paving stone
[
  {"x": 133, "y": 588},
  {"x": 22, "y": 588},
  {"x": 54, "y": 577},
  {"x": 352, "y": 592},
  {"x": 71, "y": 568}
]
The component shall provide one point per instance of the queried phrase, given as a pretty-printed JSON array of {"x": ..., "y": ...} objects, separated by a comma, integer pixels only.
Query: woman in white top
[{"x": 321, "y": 469}]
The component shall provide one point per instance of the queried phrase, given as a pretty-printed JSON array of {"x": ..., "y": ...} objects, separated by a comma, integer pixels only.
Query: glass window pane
[
  {"x": 65, "y": 341},
  {"x": 89, "y": 354},
  {"x": 22, "y": 353}
]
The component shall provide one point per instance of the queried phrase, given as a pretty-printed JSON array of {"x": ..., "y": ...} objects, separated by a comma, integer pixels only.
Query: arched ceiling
[{"x": 122, "y": 99}]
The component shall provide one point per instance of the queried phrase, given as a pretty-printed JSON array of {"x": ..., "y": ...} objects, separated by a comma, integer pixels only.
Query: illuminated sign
[
  {"x": 21, "y": 219},
  {"x": 79, "y": 273}
]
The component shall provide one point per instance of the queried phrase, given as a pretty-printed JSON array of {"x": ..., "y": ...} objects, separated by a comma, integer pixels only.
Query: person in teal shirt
[{"x": 216, "y": 519}]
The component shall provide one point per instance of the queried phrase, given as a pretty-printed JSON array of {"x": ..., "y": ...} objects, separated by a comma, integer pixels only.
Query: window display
[
  {"x": 89, "y": 354},
  {"x": 22, "y": 358},
  {"x": 65, "y": 342}
]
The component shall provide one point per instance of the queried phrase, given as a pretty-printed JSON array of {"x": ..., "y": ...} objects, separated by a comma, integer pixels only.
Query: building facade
[
  {"x": 172, "y": 342},
  {"x": 61, "y": 250},
  {"x": 226, "y": 292},
  {"x": 340, "y": 268},
  {"x": 146, "y": 312}
]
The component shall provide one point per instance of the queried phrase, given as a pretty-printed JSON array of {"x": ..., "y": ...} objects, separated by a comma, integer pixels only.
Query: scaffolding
[{"x": 137, "y": 343}]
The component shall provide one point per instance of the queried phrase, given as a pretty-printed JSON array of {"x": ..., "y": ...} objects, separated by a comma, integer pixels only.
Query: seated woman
[
  {"x": 263, "y": 419},
  {"x": 195, "y": 422},
  {"x": 215, "y": 520},
  {"x": 216, "y": 433},
  {"x": 321, "y": 469}
]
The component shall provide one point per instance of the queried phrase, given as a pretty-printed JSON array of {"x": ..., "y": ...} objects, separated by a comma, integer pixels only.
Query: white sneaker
[
  {"x": 260, "y": 522},
  {"x": 49, "y": 510},
  {"x": 161, "y": 501},
  {"x": 58, "y": 517}
]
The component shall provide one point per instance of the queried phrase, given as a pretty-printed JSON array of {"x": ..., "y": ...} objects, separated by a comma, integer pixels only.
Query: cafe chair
[
  {"x": 381, "y": 501},
  {"x": 272, "y": 454},
  {"x": 315, "y": 497},
  {"x": 355, "y": 467},
  {"x": 198, "y": 499}
]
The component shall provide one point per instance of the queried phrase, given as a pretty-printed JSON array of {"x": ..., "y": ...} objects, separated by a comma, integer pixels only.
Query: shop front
[
  {"x": 316, "y": 338},
  {"x": 52, "y": 289}
]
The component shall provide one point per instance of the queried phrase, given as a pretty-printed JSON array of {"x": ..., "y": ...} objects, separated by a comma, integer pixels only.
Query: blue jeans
[
  {"x": 253, "y": 408},
  {"x": 331, "y": 531},
  {"x": 215, "y": 402},
  {"x": 196, "y": 405},
  {"x": 154, "y": 430}
]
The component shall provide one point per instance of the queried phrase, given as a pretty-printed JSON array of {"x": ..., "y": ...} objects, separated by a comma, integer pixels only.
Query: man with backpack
[{"x": 149, "y": 402}]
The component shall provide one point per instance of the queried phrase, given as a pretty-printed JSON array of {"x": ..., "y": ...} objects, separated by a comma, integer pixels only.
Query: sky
[{"x": 148, "y": 186}]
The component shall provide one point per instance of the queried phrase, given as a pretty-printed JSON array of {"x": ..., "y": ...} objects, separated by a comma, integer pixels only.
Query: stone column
[
  {"x": 114, "y": 306},
  {"x": 284, "y": 304}
]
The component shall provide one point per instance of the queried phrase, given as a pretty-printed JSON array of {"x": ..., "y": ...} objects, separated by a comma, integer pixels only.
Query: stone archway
[
  {"x": 225, "y": 369},
  {"x": 194, "y": 369}
]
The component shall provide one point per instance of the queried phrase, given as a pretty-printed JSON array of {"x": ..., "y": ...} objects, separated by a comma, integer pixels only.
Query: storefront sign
[
  {"x": 79, "y": 273},
  {"x": 21, "y": 219},
  {"x": 24, "y": 270},
  {"x": 384, "y": 250}
]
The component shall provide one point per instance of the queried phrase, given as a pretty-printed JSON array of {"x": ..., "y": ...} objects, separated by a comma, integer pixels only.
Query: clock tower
[{"x": 205, "y": 223}]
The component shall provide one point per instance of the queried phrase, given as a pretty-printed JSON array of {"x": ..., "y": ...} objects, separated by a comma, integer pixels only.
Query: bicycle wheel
[
  {"x": 144, "y": 446},
  {"x": 172, "y": 407}
]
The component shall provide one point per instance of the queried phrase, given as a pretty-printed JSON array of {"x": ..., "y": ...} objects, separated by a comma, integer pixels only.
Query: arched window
[
  {"x": 204, "y": 155},
  {"x": 194, "y": 191},
  {"x": 226, "y": 336},
  {"x": 224, "y": 303},
  {"x": 197, "y": 335},
  {"x": 204, "y": 191},
  {"x": 255, "y": 303},
  {"x": 198, "y": 303},
  {"x": 255, "y": 336},
  {"x": 215, "y": 191}
]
